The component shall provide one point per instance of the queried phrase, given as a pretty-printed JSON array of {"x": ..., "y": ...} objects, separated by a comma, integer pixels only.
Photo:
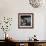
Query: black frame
[{"x": 29, "y": 16}]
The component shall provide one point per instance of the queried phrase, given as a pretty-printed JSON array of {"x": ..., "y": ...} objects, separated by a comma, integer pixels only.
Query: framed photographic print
[{"x": 25, "y": 20}]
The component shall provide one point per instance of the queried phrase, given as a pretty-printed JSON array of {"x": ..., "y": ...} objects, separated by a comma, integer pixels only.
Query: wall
[{"x": 11, "y": 8}]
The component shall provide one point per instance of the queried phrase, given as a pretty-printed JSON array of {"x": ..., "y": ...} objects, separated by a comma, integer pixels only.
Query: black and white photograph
[{"x": 25, "y": 20}]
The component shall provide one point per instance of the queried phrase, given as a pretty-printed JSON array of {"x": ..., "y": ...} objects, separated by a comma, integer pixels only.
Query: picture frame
[{"x": 25, "y": 20}]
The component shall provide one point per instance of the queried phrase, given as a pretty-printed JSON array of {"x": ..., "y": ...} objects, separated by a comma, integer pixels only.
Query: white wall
[
  {"x": 45, "y": 28},
  {"x": 11, "y": 8}
]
